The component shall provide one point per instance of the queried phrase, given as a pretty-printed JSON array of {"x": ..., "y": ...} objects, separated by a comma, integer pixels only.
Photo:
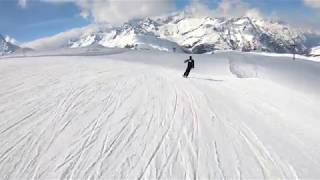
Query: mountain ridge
[{"x": 186, "y": 33}]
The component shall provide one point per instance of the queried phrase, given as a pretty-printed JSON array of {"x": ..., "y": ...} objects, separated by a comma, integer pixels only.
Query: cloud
[
  {"x": 298, "y": 20},
  {"x": 226, "y": 8},
  {"x": 312, "y": 3},
  {"x": 239, "y": 8},
  {"x": 119, "y": 11},
  {"x": 56, "y": 41},
  {"x": 11, "y": 40},
  {"x": 233, "y": 8},
  {"x": 197, "y": 8},
  {"x": 116, "y": 11},
  {"x": 22, "y": 3}
]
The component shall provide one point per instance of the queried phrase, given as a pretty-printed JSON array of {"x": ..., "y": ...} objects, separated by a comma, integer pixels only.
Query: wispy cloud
[
  {"x": 11, "y": 40},
  {"x": 312, "y": 3},
  {"x": 22, "y": 3},
  {"x": 238, "y": 8},
  {"x": 117, "y": 11},
  {"x": 120, "y": 11},
  {"x": 57, "y": 40},
  {"x": 225, "y": 8}
]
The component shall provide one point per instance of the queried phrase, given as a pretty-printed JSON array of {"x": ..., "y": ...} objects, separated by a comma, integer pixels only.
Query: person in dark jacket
[{"x": 190, "y": 62}]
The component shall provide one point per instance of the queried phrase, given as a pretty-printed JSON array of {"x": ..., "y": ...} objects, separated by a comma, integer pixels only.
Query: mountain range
[{"x": 183, "y": 32}]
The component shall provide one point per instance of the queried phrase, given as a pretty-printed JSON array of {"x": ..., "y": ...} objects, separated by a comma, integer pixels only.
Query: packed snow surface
[
  {"x": 130, "y": 115},
  {"x": 315, "y": 51}
]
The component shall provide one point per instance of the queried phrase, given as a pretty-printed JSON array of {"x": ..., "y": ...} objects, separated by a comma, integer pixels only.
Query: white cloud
[
  {"x": 22, "y": 3},
  {"x": 119, "y": 11},
  {"x": 11, "y": 40},
  {"x": 196, "y": 8},
  {"x": 312, "y": 3},
  {"x": 226, "y": 8},
  {"x": 254, "y": 13},
  {"x": 233, "y": 8},
  {"x": 56, "y": 40}
]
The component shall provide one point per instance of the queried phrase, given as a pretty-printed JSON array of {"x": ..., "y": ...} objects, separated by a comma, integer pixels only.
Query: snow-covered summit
[
  {"x": 243, "y": 33},
  {"x": 183, "y": 31},
  {"x": 6, "y": 46}
]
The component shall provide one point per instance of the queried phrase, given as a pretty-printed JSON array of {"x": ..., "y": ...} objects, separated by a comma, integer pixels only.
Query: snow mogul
[{"x": 190, "y": 66}]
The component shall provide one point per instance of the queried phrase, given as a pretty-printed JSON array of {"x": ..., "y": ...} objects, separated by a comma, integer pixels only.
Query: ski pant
[{"x": 186, "y": 74}]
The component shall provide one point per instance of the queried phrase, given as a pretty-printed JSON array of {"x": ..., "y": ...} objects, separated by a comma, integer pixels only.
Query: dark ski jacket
[{"x": 190, "y": 63}]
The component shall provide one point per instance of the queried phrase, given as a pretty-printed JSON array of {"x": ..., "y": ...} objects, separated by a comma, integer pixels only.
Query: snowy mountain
[
  {"x": 6, "y": 46},
  {"x": 187, "y": 33},
  {"x": 206, "y": 34},
  {"x": 11, "y": 40}
]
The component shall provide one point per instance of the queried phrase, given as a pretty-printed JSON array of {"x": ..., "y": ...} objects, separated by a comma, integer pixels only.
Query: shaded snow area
[{"x": 131, "y": 115}]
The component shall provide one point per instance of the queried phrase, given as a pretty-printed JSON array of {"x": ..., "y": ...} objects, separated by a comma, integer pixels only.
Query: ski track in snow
[{"x": 100, "y": 119}]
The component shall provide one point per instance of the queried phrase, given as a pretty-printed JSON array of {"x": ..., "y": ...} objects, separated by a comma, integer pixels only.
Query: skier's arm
[{"x": 186, "y": 61}]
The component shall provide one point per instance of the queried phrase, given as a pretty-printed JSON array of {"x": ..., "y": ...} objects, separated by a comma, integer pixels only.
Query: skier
[{"x": 190, "y": 62}]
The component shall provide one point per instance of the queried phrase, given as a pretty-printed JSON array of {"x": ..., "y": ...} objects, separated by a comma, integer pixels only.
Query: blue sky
[
  {"x": 38, "y": 19},
  {"x": 41, "y": 19}
]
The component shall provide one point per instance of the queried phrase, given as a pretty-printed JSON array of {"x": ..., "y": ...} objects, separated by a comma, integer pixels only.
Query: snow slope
[
  {"x": 131, "y": 115},
  {"x": 315, "y": 51}
]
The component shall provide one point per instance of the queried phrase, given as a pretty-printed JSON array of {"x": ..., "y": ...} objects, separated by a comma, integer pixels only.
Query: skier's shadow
[{"x": 206, "y": 79}]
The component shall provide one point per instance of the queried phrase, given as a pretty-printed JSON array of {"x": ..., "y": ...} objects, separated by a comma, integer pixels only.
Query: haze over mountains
[{"x": 187, "y": 33}]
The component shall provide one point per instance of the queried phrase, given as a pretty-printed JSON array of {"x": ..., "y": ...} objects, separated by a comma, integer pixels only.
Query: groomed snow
[
  {"x": 315, "y": 51},
  {"x": 117, "y": 114}
]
